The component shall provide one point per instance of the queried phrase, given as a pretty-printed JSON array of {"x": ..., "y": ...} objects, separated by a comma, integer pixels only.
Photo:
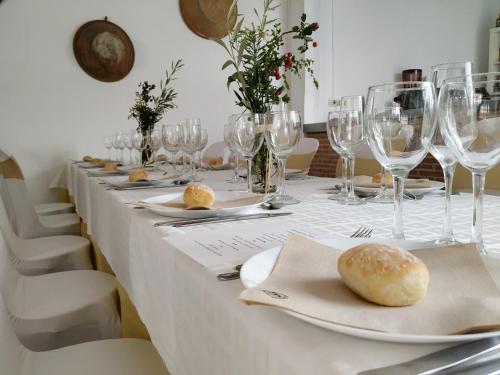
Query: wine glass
[
  {"x": 282, "y": 134},
  {"x": 202, "y": 145},
  {"x": 155, "y": 140},
  {"x": 348, "y": 133},
  {"x": 127, "y": 140},
  {"x": 170, "y": 141},
  {"x": 249, "y": 136},
  {"x": 229, "y": 140},
  {"x": 333, "y": 119},
  {"x": 117, "y": 142},
  {"x": 401, "y": 123},
  {"x": 469, "y": 119},
  {"x": 189, "y": 139},
  {"x": 383, "y": 195},
  {"x": 137, "y": 144},
  {"x": 440, "y": 151},
  {"x": 351, "y": 136},
  {"x": 108, "y": 143}
]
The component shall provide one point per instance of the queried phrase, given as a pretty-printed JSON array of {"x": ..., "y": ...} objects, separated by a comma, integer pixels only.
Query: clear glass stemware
[
  {"x": 333, "y": 119},
  {"x": 108, "y": 143},
  {"x": 441, "y": 152},
  {"x": 230, "y": 142},
  {"x": 189, "y": 139},
  {"x": 249, "y": 135},
  {"x": 469, "y": 119},
  {"x": 170, "y": 141},
  {"x": 283, "y": 132},
  {"x": 401, "y": 123}
]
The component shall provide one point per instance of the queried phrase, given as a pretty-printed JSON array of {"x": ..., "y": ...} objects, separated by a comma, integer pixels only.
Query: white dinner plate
[
  {"x": 435, "y": 185},
  {"x": 259, "y": 267},
  {"x": 129, "y": 184},
  {"x": 103, "y": 173},
  {"x": 288, "y": 172},
  {"x": 155, "y": 204}
]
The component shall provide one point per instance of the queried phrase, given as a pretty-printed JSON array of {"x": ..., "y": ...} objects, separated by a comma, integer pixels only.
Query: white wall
[
  {"x": 373, "y": 41},
  {"x": 50, "y": 110}
]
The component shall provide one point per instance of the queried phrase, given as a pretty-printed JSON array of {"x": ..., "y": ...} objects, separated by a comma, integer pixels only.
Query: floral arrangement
[
  {"x": 261, "y": 68},
  {"x": 149, "y": 109}
]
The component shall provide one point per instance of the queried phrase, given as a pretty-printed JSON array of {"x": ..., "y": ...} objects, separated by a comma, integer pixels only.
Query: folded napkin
[
  {"x": 462, "y": 297},
  {"x": 219, "y": 204},
  {"x": 410, "y": 183}
]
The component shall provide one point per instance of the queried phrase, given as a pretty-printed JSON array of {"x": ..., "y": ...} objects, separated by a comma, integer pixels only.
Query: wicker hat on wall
[{"x": 209, "y": 18}]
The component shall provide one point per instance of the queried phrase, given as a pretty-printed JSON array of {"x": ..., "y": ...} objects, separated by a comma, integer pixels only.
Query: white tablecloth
[{"x": 198, "y": 324}]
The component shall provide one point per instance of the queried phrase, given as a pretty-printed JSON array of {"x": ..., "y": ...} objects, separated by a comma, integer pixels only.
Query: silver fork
[{"x": 362, "y": 232}]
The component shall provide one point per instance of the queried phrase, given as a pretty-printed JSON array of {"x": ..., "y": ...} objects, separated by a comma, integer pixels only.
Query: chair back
[
  {"x": 303, "y": 155},
  {"x": 18, "y": 203},
  {"x": 215, "y": 154},
  {"x": 13, "y": 354},
  {"x": 10, "y": 279}
]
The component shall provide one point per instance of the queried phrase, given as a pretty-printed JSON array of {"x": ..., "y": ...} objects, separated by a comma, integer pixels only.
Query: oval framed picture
[{"x": 103, "y": 50}]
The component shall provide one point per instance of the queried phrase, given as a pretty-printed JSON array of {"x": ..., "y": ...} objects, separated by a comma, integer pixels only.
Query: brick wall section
[{"x": 325, "y": 162}]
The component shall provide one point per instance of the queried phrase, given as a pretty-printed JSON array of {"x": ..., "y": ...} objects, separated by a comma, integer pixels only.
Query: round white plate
[
  {"x": 128, "y": 184},
  {"x": 436, "y": 185},
  {"x": 259, "y": 267},
  {"x": 154, "y": 204}
]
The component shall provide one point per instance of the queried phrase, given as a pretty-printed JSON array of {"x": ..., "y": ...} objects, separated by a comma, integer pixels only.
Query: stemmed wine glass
[
  {"x": 283, "y": 132},
  {"x": 469, "y": 119},
  {"x": 229, "y": 140},
  {"x": 137, "y": 144},
  {"x": 249, "y": 136},
  {"x": 440, "y": 151},
  {"x": 119, "y": 145},
  {"x": 127, "y": 140},
  {"x": 170, "y": 141},
  {"x": 348, "y": 133},
  {"x": 108, "y": 143},
  {"x": 201, "y": 146},
  {"x": 333, "y": 119},
  {"x": 155, "y": 139},
  {"x": 189, "y": 139},
  {"x": 383, "y": 195},
  {"x": 401, "y": 123}
]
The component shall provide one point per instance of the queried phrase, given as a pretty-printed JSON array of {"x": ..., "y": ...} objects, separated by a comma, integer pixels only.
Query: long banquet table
[{"x": 199, "y": 325}]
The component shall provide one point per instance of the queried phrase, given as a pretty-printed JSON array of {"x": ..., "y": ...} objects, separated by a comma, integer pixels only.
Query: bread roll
[
  {"x": 215, "y": 162},
  {"x": 161, "y": 157},
  {"x": 138, "y": 175},
  {"x": 199, "y": 196},
  {"x": 87, "y": 158},
  {"x": 384, "y": 275},
  {"x": 377, "y": 179},
  {"x": 96, "y": 161},
  {"x": 110, "y": 167}
]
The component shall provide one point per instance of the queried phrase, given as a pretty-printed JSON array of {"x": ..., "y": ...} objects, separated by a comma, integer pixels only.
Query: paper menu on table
[{"x": 235, "y": 245}]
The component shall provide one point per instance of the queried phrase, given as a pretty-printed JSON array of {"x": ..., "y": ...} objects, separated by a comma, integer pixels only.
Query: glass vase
[{"x": 147, "y": 154}]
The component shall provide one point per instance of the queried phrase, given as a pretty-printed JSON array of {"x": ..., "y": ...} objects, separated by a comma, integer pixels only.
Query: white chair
[
  {"x": 303, "y": 154},
  {"x": 59, "y": 309},
  {"x": 54, "y": 208},
  {"x": 22, "y": 215},
  {"x": 39, "y": 256},
  {"x": 215, "y": 154},
  {"x": 106, "y": 357}
]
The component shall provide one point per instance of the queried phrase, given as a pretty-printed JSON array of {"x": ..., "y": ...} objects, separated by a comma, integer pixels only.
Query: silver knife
[
  {"x": 452, "y": 358},
  {"x": 219, "y": 219}
]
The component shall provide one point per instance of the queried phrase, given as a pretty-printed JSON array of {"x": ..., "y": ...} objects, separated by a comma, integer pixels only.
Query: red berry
[
  {"x": 289, "y": 54},
  {"x": 315, "y": 44},
  {"x": 315, "y": 26}
]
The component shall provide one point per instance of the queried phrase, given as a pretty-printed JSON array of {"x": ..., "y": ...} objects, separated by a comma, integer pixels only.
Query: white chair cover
[
  {"x": 59, "y": 309},
  {"x": 303, "y": 154},
  {"x": 54, "y": 208},
  {"x": 22, "y": 215},
  {"x": 39, "y": 256},
  {"x": 217, "y": 150},
  {"x": 107, "y": 357}
]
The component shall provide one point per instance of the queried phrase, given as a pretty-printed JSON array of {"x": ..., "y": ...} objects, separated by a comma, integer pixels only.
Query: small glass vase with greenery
[
  {"x": 261, "y": 71},
  {"x": 149, "y": 109}
]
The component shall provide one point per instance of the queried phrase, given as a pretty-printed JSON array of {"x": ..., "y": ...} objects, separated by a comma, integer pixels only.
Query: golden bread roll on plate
[
  {"x": 384, "y": 275},
  {"x": 110, "y": 167},
  {"x": 215, "y": 162},
  {"x": 199, "y": 196},
  {"x": 87, "y": 158},
  {"x": 161, "y": 157},
  {"x": 138, "y": 175},
  {"x": 96, "y": 161},
  {"x": 377, "y": 179}
]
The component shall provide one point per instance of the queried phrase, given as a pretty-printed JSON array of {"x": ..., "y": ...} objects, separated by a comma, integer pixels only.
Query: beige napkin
[
  {"x": 462, "y": 296},
  {"x": 410, "y": 183},
  {"x": 179, "y": 203}
]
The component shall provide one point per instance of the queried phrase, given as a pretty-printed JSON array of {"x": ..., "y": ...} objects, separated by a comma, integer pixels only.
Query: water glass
[
  {"x": 283, "y": 132},
  {"x": 230, "y": 142},
  {"x": 333, "y": 119},
  {"x": 170, "y": 141},
  {"x": 108, "y": 143},
  {"x": 401, "y": 124},
  {"x": 190, "y": 139},
  {"x": 469, "y": 120}
]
